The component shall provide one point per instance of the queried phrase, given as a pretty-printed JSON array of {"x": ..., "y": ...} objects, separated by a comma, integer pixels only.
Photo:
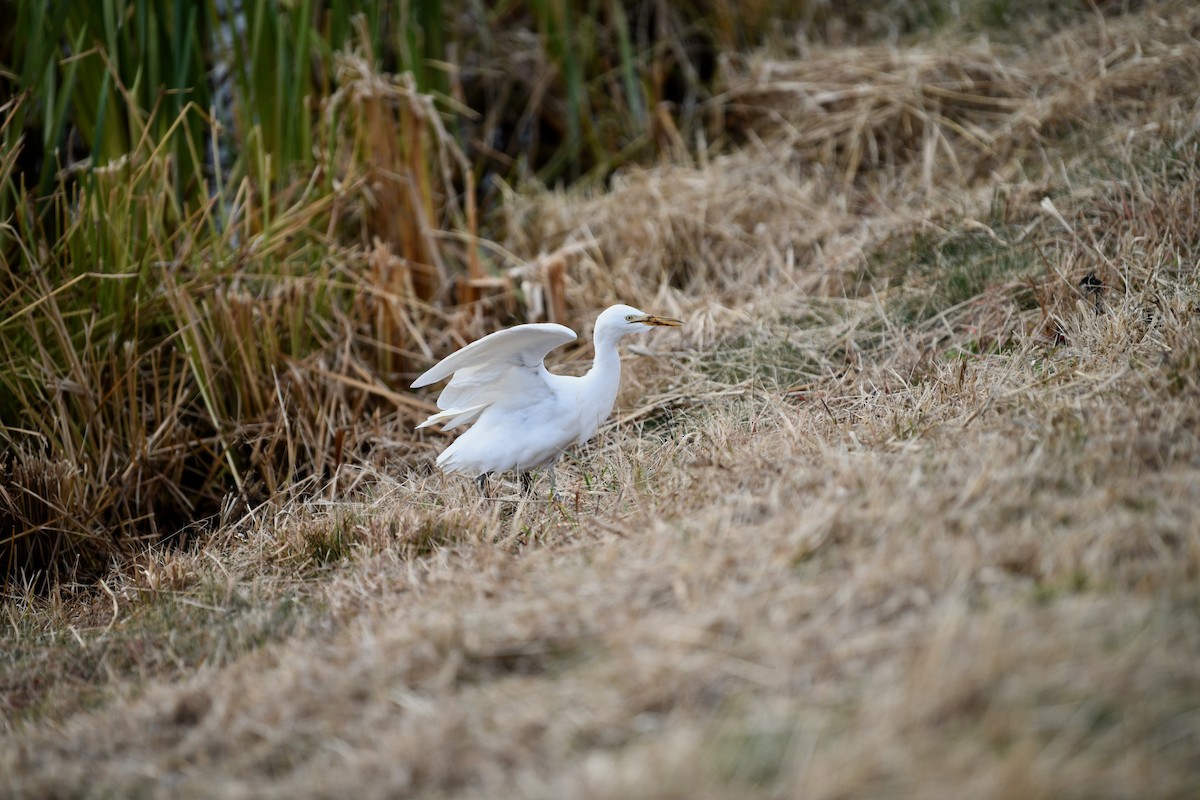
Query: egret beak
[{"x": 650, "y": 319}]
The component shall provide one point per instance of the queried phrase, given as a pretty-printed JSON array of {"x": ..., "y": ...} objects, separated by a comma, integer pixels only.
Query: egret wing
[
  {"x": 523, "y": 344},
  {"x": 505, "y": 366},
  {"x": 453, "y": 417}
]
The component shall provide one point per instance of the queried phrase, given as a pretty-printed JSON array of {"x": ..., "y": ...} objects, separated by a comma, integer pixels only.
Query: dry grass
[
  {"x": 235, "y": 346},
  {"x": 840, "y": 542}
]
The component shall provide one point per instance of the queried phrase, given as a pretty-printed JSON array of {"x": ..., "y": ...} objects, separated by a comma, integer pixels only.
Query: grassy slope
[{"x": 871, "y": 526}]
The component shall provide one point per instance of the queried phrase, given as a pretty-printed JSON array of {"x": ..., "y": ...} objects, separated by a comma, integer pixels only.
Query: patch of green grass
[
  {"x": 53, "y": 671},
  {"x": 995, "y": 17},
  {"x": 1047, "y": 592},
  {"x": 1163, "y": 164},
  {"x": 549, "y": 657},
  {"x": 430, "y": 536},
  {"x": 773, "y": 362},
  {"x": 218, "y": 626},
  {"x": 930, "y": 273},
  {"x": 329, "y": 543},
  {"x": 756, "y": 757},
  {"x": 1181, "y": 370}
]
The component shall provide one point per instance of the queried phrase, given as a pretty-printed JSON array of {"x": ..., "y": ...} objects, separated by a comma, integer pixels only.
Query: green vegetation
[
  {"x": 771, "y": 360},
  {"x": 932, "y": 273},
  {"x": 174, "y": 302}
]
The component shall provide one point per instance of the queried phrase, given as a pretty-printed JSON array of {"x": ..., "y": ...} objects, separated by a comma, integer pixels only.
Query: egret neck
[{"x": 598, "y": 388}]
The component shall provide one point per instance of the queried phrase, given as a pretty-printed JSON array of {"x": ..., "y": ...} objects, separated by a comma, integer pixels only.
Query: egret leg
[
  {"x": 526, "y": 482},
  {"x": 482, "y": 481},
  {"x": 554, "y": 495}
]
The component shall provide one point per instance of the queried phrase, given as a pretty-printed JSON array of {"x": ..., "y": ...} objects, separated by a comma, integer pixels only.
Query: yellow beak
[{"x": 650, "y": 319}]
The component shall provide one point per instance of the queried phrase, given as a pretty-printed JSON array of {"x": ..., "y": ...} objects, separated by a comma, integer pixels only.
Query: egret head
[{"x": 622, "y": 320}]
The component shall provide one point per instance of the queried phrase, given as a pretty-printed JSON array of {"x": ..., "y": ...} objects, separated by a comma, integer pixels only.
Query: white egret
[{"x": 524, "y": 415}]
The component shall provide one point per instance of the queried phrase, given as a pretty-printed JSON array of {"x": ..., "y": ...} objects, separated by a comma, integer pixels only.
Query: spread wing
[{"x": 505, "y": 366}]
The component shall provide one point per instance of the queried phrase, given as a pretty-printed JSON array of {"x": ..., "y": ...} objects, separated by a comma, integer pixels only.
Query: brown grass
[{"x": 833, "y": 547}]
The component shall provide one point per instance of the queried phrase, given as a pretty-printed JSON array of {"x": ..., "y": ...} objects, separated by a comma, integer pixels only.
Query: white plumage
[{"x": 524, "y": 415}]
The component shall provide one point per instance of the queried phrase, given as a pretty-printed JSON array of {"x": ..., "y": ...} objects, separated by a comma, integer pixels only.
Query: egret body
[{"x": 524, "y": 415}]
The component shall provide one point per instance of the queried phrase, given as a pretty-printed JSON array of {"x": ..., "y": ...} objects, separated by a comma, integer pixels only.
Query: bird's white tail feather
[{"x": 453, "y": 417}]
